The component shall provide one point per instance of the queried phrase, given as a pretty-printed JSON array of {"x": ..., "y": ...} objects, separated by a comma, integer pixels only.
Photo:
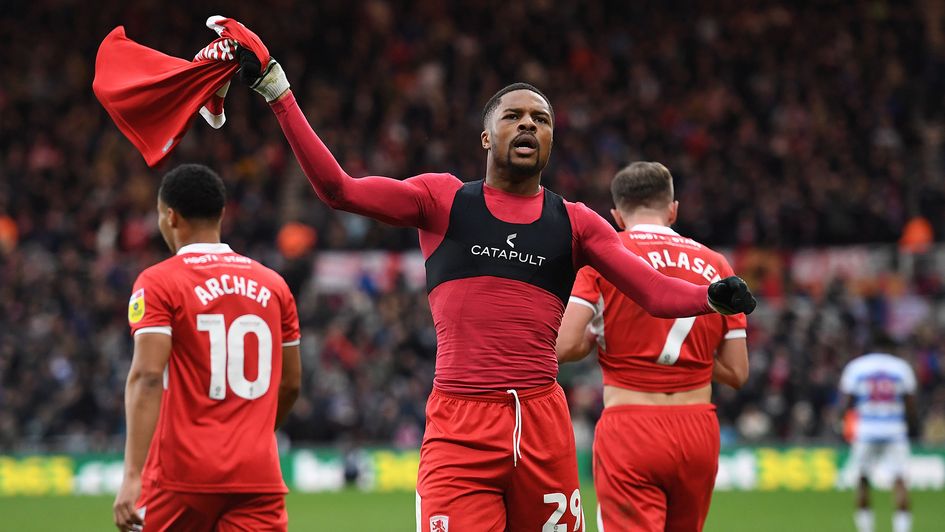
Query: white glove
[
  {"x": 219, "y": 50},
  {"x": 272, "y": 83}
]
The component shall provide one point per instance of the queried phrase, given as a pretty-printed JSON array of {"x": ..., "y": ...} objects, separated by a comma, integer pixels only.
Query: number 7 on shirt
[{"x": 674, "y": 340}]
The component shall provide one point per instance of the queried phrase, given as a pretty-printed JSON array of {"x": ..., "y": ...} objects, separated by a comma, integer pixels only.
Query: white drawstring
[{"x": 517, "y": 431}]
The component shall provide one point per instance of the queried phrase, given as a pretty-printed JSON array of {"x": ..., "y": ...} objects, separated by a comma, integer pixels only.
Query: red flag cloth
[{"x": 153, "y": 97}]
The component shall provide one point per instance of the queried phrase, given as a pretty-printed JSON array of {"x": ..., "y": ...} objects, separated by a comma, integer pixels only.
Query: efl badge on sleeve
[
  {"x": 439, "y": 523},
  {"x": 136, "y": 306}
]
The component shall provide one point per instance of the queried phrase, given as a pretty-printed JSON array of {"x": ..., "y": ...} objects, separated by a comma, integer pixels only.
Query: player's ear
[
  {"x": 618, "y": 218},
  {"x": 173, "y": 220},
  {"x": 486, "y": 144},
  {"x": 673, "y": 212}
]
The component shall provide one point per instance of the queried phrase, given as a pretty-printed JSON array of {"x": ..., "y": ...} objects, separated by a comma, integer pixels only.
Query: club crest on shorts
[
  {"x": 440, "y": 523},
  {"x": 136, "y": 306}
]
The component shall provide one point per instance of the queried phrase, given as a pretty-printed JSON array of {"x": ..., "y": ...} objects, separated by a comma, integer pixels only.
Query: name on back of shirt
[
  {"x": 667, "y": 259},
  {"x": 227, "y": 284}
]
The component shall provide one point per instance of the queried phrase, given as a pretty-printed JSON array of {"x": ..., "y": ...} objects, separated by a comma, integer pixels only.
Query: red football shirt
[
  {"x": 229, "y": 317},
  {"x": 492, "y": 333},
  {"x": 154, "y": 97},
  {"x": 640, "y": 352}
]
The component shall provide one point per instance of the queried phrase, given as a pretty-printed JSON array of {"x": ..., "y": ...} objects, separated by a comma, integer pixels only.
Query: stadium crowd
[{"x": 777, "y": 139}]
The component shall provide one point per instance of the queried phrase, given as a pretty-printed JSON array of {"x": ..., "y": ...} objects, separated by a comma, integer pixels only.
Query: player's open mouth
[{"x": 525, "y": 145}]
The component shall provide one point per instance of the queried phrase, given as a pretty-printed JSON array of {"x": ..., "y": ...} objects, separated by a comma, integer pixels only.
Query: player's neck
[
  {"x": 523, "y": 187},
  {"x": 644, "y": 218},
  {"x": 205, "y": 236}
]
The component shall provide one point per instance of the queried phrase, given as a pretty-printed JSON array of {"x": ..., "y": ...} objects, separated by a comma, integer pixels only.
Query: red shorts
[
  {"x": 472, "y": 477},
  {"x": 217, "y": 512},
  {"x": 655, "y": 466}
]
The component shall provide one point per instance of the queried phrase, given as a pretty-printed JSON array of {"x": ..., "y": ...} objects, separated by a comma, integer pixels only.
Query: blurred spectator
[
  {"x": 778, "y": 138},
  {"x": 935, "y": 422}
]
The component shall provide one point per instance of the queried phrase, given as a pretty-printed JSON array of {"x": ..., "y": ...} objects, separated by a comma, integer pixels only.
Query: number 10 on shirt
[{"x": 227, "y": 354}]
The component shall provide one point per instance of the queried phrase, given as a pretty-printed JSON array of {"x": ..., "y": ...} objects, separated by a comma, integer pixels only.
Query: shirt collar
[
  {"x": 489, "y": 189},
  {"x": 653, "y": 228},
  {"x": 205, "y": 248}
]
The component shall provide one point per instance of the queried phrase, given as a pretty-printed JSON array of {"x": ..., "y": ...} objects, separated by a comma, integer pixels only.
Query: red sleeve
[
  {"x": 150, "y": 308},
  {"x": 735, "y": 325},
  {"x": 586, "y": 288},
  {"x": 404, "y": 203},
  {"x": 290, "y": 318},
  {"x": 662, "y": 296}
]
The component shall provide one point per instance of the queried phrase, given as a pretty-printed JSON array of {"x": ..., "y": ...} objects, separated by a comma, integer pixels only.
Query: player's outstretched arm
[
  {"x": 660, "y": 295},
  {"x": 388, "y": 200},
  {"x": 731, "y": 363},
  {"x": 290, "y": 384},
  {"x": 143, "y": 391}
]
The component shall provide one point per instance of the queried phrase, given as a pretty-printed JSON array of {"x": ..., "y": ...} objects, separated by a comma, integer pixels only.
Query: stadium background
[{"x": 807, "y": 141}]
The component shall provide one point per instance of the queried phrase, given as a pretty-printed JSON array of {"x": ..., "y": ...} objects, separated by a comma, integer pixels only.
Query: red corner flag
[{"x": 153, "y": 97}]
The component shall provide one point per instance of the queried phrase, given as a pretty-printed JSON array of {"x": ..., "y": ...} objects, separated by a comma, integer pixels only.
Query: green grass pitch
[{"x": 382, "y": 512}]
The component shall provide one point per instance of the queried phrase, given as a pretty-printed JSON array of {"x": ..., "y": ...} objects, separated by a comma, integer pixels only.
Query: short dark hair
[
  {"x": 642, "y": 184},
  {"x": 881, "y": 342},
  {"x": 494, "y": 101},
  {"x": 194, "y": 191}
]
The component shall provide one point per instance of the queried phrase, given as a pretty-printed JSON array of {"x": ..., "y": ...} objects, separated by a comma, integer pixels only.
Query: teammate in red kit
[
  {"x": 501, "y": 255},
  {"x": 656, "y": 447},
  {"x": 215, "y": 370}
]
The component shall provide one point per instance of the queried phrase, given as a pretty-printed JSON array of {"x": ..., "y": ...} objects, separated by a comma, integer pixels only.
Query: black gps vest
[{"x": 479, "y": 244}]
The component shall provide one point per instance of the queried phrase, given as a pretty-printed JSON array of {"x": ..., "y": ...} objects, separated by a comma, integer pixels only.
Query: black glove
[
  {"x": 250, "y": 67},
  {"x": 731, "y": 296},
  {"x": 270, "y": 82}
]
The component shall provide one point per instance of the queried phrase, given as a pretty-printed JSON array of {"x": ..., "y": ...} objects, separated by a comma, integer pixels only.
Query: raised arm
[
  {"x": 382, "y": 198},
  {"x": 660, "y": 295}
]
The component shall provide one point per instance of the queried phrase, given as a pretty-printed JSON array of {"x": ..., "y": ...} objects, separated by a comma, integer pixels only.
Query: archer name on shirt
[{"x": 227, "y": 284}]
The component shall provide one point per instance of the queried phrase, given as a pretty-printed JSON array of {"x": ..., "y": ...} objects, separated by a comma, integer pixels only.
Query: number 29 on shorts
[{"x": 574, "y": 505}]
